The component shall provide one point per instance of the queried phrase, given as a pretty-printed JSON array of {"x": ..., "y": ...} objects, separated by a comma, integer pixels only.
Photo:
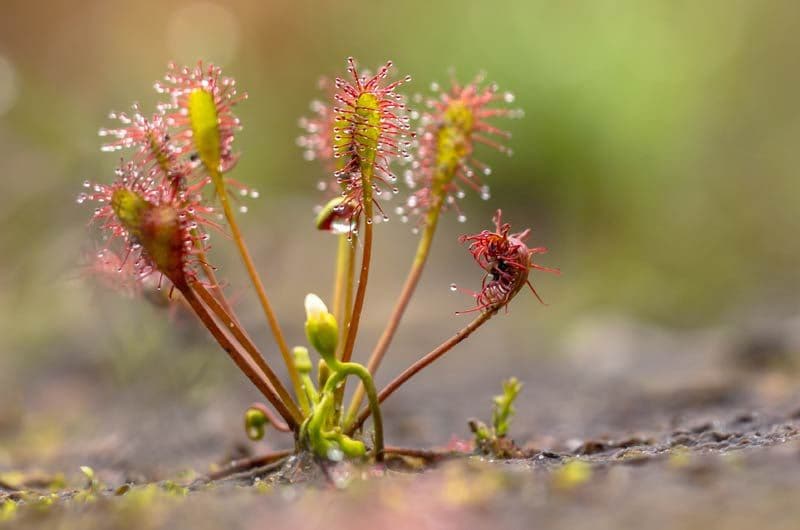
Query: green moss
[
  {"x": 572, "y": 474},
  {"x": 8, "y": 510},
  {"x": 174, "y": 489}
]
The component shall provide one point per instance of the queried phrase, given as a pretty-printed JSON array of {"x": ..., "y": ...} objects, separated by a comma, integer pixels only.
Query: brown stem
[
  {"x": 212, "y": 280},
  {"x": 426, "y": 360},
  {"x": 421, "y": 257},
  {"x": 272, "y": 320},
  {"x": 358, "y": 304},
  {"x": 251, "y": 349},
  {"x": 235, "y": 351},
  {"x": 276, "y": 422},
  {"x": 348, "y": 293},
  {"x": 340, "y": 278},
  {"x": 246, "y": 464}
]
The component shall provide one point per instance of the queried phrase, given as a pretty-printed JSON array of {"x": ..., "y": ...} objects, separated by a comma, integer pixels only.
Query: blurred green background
[{"x": 657, "y": 160}]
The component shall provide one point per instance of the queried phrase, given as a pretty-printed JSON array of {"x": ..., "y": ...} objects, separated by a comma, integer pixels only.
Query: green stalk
[
  {"x": 258, "y": 285},
  {"x": 347, "y": 304},
  {"x": 340, "y": 373},
  {"x": 340, "y": 280}
]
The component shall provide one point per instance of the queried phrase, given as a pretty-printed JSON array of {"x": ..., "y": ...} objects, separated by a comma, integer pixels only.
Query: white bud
[{"x": 315, "y": 307}]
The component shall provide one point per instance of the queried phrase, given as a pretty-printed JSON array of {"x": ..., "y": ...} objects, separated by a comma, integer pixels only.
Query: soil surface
[{"x": 626, "y": 426}]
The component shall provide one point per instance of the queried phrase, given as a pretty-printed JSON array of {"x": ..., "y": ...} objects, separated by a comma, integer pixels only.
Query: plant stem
[
  {"x": 347, "y": 302},
  {"x": 426, "y": 360},
  {"x": 245, "y": 464},
  {"x": 251, "y": 349},
  {"x": 316, "y": 423},
  {"x": 358, "y": 304},
  {"x": 273, "y": 420},
  {"x": 341, "y": 371},
  {"x": 421, "y": 257},
  {"x": 234, "y": 350},
  {"x": 340, "y": 280},
  {"x": 272, "y": 320},
  {"x": 311, "y": 392},
  {"x": 208, "y": 270},
  {"x": 350, "y": 283}
]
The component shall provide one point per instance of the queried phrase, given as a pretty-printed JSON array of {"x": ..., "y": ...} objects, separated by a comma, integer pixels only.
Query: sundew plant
[{"x": 173, "y": 190}]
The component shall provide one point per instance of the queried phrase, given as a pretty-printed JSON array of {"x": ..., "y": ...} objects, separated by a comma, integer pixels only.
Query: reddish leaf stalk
[
  {"x": 402, "y": 303},
  {"x": 246, "y": 464},
  {"x": 273, "y": 420},
  {"x": 251, "y": 349},
  {"x": 258, "y": 285},
  {"x": 211, "y": 276},
  {"x": 234, "y": 350},
  {"x": 425, "y": 361},
  {"x": 358, "y": 304}
]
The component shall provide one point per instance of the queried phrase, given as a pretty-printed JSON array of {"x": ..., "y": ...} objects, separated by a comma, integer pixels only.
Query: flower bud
[
  {"x": 255, "y": 422},
  {"x": 321, "y": 328},
  {"x": 301, "y": 360}
]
